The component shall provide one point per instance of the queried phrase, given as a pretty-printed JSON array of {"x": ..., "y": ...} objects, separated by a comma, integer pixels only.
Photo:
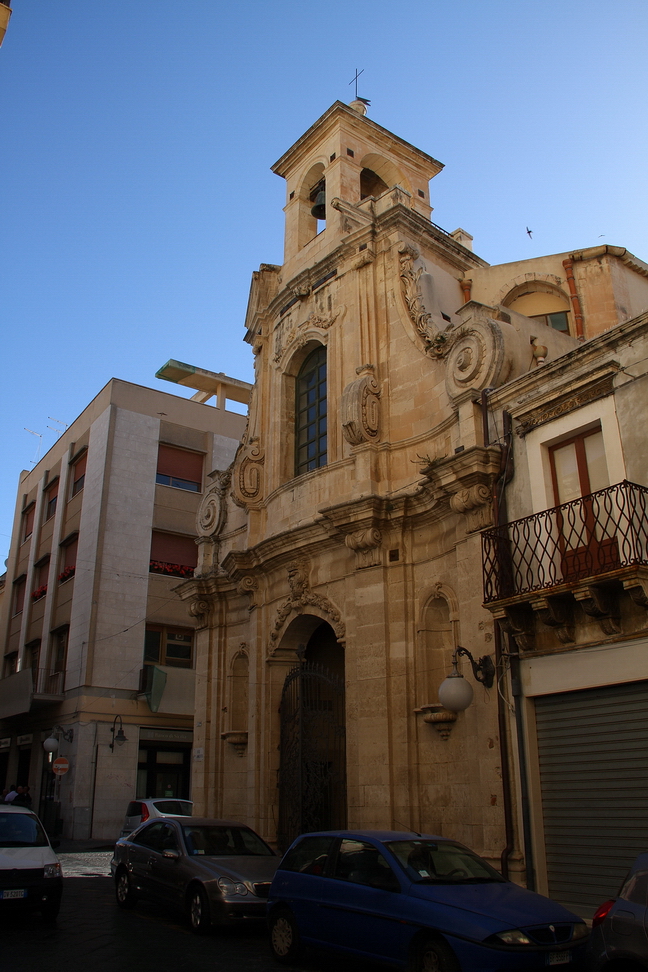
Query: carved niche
[
  {"x": 247, "y": 484},
  {"x": 300, "y": 598},
  {"x": 360, "y": 408}
]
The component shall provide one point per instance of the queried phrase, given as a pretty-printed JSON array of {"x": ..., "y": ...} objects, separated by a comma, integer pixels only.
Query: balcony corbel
[
  {"x": 556, "y": 613},
  {"x": 518, "y": 623},
  {"x": 601, "y": 604}
]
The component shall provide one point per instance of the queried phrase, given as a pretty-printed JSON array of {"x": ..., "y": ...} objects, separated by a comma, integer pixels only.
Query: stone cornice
[{"x": 339, "y": 113}]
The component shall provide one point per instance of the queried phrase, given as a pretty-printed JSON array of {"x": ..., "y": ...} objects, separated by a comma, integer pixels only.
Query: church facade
[{"x": 340, "y": 557}]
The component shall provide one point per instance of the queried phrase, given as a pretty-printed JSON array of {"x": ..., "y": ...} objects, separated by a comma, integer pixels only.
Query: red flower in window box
[
  {"x": 66, "y": 574},
  {"x": 39, "y": 592},
  {"x": 171, "y": 570}
]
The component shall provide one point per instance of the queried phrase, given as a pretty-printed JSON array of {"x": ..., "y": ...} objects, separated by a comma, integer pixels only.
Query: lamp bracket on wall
[{"x": 483, "y": 669}]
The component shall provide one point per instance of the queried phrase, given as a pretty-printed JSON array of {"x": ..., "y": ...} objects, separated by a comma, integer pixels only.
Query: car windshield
[
  {"x": 21, "y": 830},
  {"x": 441, "y": 862},
  {"x": 213, "y": 840}
]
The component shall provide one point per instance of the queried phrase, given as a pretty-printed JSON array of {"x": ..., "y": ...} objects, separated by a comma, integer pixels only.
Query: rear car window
[
  {"x": 309, "y": 856},
  {"x": 21, "y": 830},
  {"x": 180, "y": 808}
]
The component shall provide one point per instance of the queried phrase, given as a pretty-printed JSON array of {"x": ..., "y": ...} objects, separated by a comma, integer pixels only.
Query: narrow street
[{"x": 93, "y": 935}]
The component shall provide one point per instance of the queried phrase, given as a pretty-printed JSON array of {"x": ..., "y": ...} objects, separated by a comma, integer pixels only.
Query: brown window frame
[{"x": 163, "y": 659}]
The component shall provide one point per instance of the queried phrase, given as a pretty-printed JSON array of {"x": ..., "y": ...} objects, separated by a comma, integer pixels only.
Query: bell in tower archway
[{"x": 318, "y": 194}]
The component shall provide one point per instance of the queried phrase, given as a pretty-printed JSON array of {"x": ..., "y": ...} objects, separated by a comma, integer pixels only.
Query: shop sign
[
  {"x": 5, "y": 743},
  {"x": 25, "y": 740},
  {"x": 166, "y": 735}
]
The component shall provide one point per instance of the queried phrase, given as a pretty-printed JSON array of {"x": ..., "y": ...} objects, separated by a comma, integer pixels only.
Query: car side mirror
[{"x": 172, "y": 855}]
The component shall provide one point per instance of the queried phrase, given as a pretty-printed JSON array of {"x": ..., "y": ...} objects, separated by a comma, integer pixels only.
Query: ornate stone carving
[
  {"x": 366, "y": 544},
  {"x": 248, "y": 472},
  {"x": 287, "y": 332},
  {"x": 556, "y": 613},
  {"x": 360, "y": 408},
  {"x": 518, "y": 624},
  {"x": 475, "y": 502},
  {"x": 199, "y": 609},
  {"x": 301, "y": 596},
  {"x": 237, "y": 740},
  {"x": 564, "y": 404},
  {"x": 247, "y": 585},
  {"x": 477, "y": 358},
  {"x": 212, "y": 512},
  {"x": 435, "y": 343},
  {"x": 442, "y": 719},
  {"x": 599, "y": 603}
]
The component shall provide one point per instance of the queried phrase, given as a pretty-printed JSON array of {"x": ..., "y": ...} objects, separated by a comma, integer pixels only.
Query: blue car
[{"x": 418, "y": 902}]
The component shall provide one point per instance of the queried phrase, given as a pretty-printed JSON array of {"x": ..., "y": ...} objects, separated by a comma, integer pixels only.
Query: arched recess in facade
[
  {"x": 438, "y": 636},
  {"x": 312, "y": 766}
]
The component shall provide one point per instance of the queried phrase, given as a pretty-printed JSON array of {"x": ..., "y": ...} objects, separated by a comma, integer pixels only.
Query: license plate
[
  {"x": 558, "y": 958},
  {"x": 21, "y": 893}
]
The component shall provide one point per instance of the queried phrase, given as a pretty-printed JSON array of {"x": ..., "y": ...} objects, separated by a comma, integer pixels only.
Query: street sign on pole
[{"x": 61, "y": 765}]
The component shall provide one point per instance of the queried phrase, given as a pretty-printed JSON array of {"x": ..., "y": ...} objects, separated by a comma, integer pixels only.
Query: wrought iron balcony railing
[{"x": 592, "y": 535}]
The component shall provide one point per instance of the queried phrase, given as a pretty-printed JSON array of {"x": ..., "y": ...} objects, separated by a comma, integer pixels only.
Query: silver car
[
  {"x": 139, "y": 811},
  {"x": 216, "y": 871}
]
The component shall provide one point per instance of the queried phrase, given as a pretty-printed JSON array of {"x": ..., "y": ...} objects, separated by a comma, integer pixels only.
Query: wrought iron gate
[{"x": 312, "y": 771}]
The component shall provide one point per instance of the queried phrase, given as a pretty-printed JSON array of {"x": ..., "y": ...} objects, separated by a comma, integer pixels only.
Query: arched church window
[{"x": 310, "y": 413}]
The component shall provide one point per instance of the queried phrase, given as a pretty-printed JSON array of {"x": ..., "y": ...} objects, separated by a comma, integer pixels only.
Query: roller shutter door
[{"x": 593, "y": 755}]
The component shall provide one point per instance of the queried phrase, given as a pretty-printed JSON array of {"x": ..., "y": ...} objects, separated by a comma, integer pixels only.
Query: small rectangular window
[
  {"x": 51, "y": 500},
  {"x": 173, "y": 554},
  {"x": 68, "y": 560},
  {"x": 78, "y": 474},
  {"x": 19, "y": 595},
  {"x": 179, "y": 468},
  {"x": 168, "y": 646},
  {"x": 28, "y": 522}
]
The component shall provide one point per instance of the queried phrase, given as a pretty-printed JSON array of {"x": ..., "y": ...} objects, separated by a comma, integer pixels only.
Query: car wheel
[
  {"x": 124, "y": 894},
  {"x": 284, "y": 937},
  {"x": 199, "y": 917},
  {"x": 435, "y": 956},
  {"x": 50, "y": 909}
]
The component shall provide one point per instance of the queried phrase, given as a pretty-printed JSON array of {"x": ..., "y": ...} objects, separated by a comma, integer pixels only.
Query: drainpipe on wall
[
  {"x": 575, "y": 299},
  {"x": 509, "y": 831}
]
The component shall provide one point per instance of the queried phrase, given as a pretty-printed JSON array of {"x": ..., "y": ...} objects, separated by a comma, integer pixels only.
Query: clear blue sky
[{"x": 137, "y": 138}]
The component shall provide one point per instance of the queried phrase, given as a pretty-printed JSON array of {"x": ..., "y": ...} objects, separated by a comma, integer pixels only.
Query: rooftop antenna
[
  {"x": 39, "y": 436},
  {"x": 355, "y": 79},
  {"x": 58, "y": 422}
]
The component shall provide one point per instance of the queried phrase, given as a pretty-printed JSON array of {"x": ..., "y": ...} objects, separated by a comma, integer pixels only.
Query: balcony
[
  {"x": 580, "y": 564},
  {"x": 30, "y": 689}
]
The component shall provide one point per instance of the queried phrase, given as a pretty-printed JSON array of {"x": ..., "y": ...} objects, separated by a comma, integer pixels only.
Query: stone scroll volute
[
  {"x": 248, "y": 475},
  {"x": 360, "y": 408}
]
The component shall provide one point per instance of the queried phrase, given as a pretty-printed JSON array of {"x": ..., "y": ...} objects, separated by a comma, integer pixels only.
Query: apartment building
[{"x": 98, "y": 652}]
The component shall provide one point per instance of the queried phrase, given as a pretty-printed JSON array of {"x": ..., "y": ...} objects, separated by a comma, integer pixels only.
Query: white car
[
  {"x": 30, "y": 871},
  {"x": 139, "y": 811}
]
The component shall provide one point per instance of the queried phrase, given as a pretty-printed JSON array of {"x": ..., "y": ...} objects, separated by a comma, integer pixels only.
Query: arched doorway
[{"x": 312, "y": 769}]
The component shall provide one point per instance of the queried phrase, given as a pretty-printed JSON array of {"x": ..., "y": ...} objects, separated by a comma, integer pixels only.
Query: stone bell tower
[{"x": 341, "y": 166}]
